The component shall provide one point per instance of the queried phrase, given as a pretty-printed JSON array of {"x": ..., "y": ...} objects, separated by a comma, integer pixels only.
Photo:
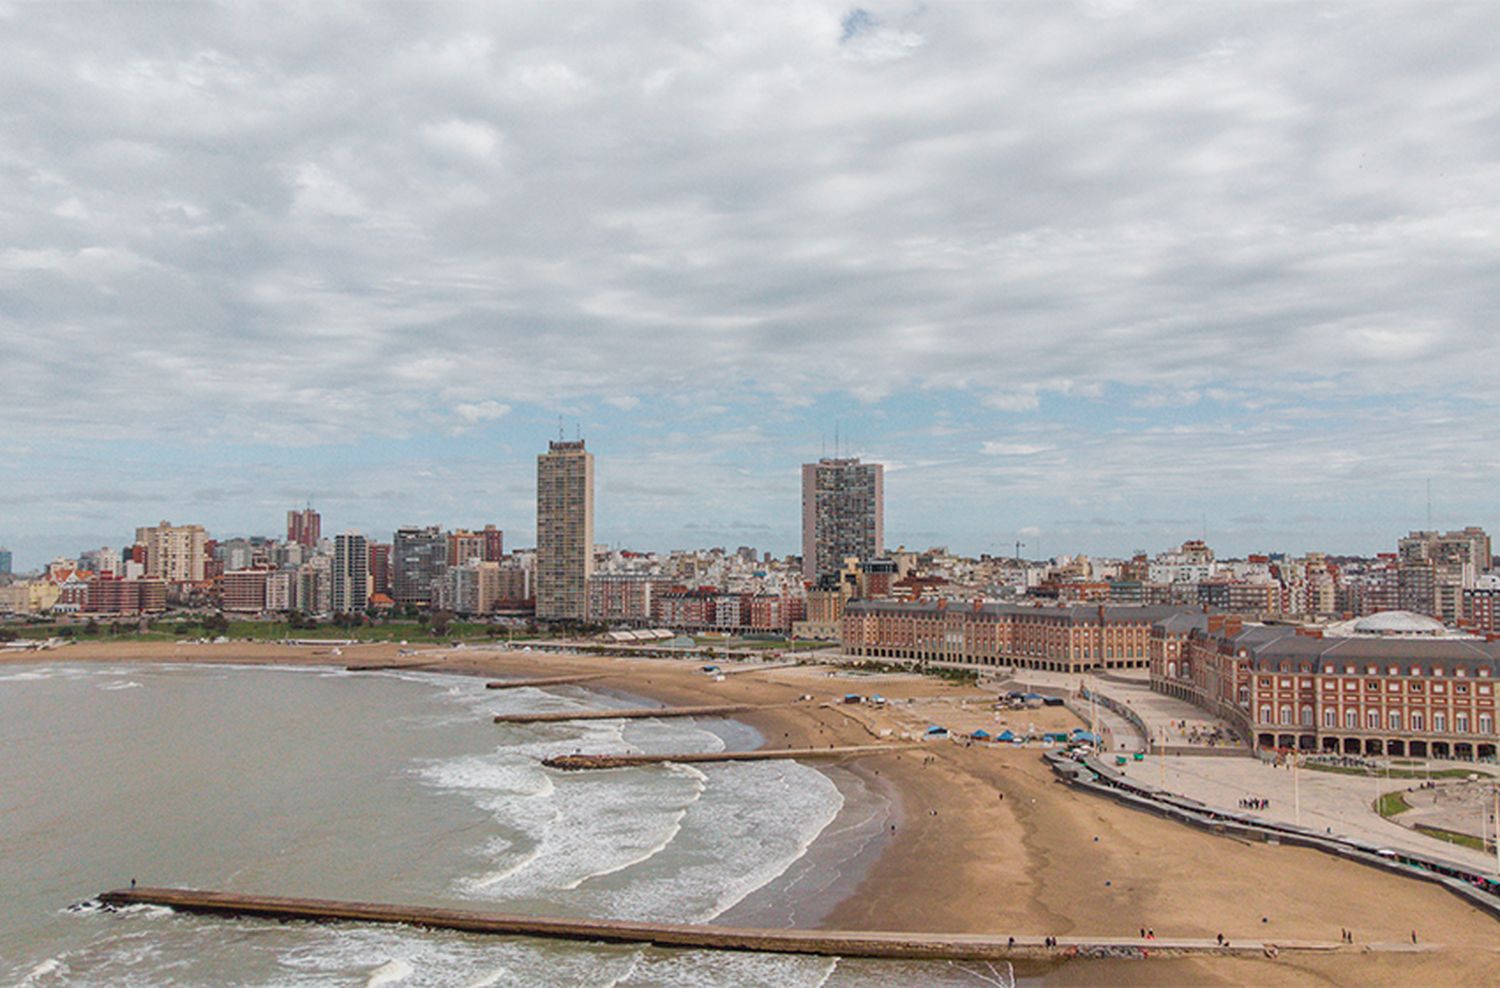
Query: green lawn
[
  {"x": 1452, "y": 837},
  {"x": 1398, "y": 773},
  {"x": 1392, "y": 803}
]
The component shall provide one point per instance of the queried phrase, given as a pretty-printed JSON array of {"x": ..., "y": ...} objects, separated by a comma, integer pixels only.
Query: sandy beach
[{"x": 987, "y": 841}]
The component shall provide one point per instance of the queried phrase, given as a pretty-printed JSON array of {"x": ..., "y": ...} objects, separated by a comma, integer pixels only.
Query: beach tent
[
  {"x": 1052, "y": 701},
  {"x": 876, "y": 698},
  {"x": 710, "y": 668},
  {"x": 1087, "y": 737},
  {"x": 981, "y": 734},
  {"x": 853, "y": 698},
  {"x": 935, "y": 729},
  {"x": 1006, "y": 735}
]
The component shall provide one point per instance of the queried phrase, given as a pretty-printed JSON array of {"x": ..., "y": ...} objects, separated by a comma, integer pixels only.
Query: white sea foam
[
  {"x": 659, "y": 842},
  {"x": 394, "y": 970},
  {"x": 52, "y": 965},
  {"x": 117, "y": 685}
]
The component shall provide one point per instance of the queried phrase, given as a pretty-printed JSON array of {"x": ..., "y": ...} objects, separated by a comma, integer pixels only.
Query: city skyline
[
  {"x": 1167, "y": 274},
  {"x": 1239, "y": 535}
]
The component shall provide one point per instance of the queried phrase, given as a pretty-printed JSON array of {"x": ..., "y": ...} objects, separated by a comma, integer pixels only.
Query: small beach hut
[{"x": 853, "y": 698}]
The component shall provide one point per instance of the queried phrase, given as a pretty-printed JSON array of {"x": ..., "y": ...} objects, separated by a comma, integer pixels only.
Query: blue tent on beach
[
  {"x": 981, "y": 734},
  {"x": 1006, "y": 735},
  {"x": 935, "y": 730}
]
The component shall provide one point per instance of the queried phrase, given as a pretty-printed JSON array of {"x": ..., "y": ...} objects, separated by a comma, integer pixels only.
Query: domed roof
[{"x": 1398, "y": 623}]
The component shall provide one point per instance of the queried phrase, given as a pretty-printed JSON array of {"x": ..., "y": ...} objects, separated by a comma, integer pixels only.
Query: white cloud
[
  {"x": 992, "y": 448},
  {"x": 462, "y": 138},
  {"x": 231, "y": 229},
  {"x": 483, "y": 411}
]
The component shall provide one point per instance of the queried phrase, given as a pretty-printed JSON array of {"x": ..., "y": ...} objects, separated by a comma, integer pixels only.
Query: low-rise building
[
  {"x": 1394, "y": 683},
  {"x": 1058, "y": 638}
]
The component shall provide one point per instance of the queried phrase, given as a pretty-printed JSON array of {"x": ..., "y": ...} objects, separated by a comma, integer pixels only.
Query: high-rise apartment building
[
  {"x": 494, "y": 544},
  {"x": 564, "y": 531},
  {"x": 1436, "y": 568},
  {"x": 174, "y": 553},
  {"x": 463, "y": 546},
  {"x": 843, "y": 513},
  {"x": 350, "y": 590},
  {"x": 380, "y": 568},
  {"x": 304, "y": 527},
  {"x": 5, "y": 562},
  {"x": 418, "y": 557}
]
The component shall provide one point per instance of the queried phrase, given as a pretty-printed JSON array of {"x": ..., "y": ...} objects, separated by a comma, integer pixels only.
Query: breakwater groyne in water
[
  {"x": 631, "y": 713},
  {"x": 391, "y": 666},
  {"x": 515, "y": 684},
  {"x": 827, "y": 943},
  {"x": 575, "y": 762}
]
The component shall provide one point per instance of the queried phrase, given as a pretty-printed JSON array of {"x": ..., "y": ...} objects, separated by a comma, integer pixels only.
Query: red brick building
[
  {"x": 1392, "y": 686},
  {"x": 1059, "y": 638}
]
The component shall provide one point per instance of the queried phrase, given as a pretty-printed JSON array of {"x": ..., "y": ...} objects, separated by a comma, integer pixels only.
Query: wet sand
[{"x": 1044, "y": 859}]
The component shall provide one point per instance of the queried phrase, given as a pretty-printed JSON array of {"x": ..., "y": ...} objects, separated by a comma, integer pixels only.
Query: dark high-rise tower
[{"x": 843, "y": 513}]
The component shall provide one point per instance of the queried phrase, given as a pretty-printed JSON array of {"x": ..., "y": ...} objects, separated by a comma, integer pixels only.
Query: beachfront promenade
[
  {"x": 1326, "y": 801},
  {"x": 828, "y": 943}
]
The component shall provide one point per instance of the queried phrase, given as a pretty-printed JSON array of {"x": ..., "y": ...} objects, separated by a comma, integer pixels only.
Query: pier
[
  {"x": 631, "y": 713},
  {"x": 580, "y": 762},
  {"x": 827, "y": 943},
  {"x": 515, "y": 684}
]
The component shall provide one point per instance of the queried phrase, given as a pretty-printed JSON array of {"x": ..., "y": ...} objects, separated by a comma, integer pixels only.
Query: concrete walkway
[{"x": 1340, "y": 804}]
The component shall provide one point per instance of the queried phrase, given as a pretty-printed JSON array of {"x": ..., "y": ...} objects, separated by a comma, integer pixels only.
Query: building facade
[
  {"x": 843, "y": 514},
  {"x": 244, "y": 590},
  {"x": 564, "y": 531},
  {"x": 174, "y": 553},
  {"x": 1074, "y": 638},
  {"x": 418, "y": 558},
  {"x": 1389, "y": 685},
  {"x": 349, "y": 592},
  {"x": 304, "y": 527}
]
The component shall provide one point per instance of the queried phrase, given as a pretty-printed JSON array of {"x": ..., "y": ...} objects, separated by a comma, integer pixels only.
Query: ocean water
[{"x": 397, "y": 787}]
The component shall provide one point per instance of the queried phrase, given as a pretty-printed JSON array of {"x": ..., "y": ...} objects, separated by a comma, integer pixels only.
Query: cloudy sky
[{"x": 1096, "y": 276}]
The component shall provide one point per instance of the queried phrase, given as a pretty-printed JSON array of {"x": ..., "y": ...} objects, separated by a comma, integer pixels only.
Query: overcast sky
[{"x": 1095, "y": 276}]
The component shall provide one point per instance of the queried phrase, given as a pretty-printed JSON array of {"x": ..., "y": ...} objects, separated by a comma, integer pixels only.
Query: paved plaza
[{"x": 1341, "y": 804}]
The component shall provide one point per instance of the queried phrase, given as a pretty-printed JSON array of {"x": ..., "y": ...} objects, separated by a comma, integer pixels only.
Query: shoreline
[{"x": 965, "y": 859}]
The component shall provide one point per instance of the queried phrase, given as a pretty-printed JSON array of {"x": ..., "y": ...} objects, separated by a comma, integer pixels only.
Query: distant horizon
[{"x": 31, "y": 552}]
